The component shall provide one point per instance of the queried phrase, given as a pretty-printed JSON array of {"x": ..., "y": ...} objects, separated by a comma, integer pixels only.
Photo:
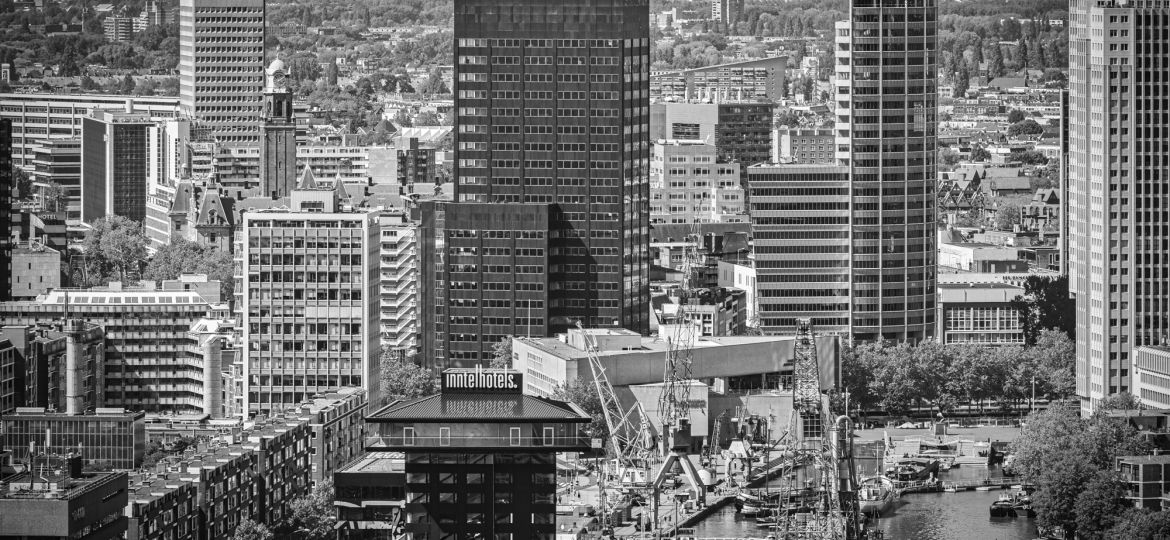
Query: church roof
[
  {"x": 307, "y": 181},
  {"x": 182, "y": 202},
  {"x": 212, "y": 210}
]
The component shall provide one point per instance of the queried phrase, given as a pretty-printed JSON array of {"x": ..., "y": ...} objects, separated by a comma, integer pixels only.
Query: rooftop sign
[{"x": 482, "y": 381}]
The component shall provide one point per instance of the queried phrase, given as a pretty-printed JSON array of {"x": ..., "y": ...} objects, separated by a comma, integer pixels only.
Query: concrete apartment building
[
  {"x": 688, "y": 186},
  {"x": 161, "y": 508},
  {"x": 1151, "y": 376},
  {"x": 762, "y": 78},
  {"x": 58, "y": 161},
  {"x": 309, "y": 297},
  {"x": 40, "y": 117},
  {"x": 221, "y": 66},
  {"x": 801, "y": 229},
  {"x": 151, "y": 362},
  {"x": 886, "y": 106},
  {"x": 399, "y": 282},
  {"x": 1117, "y": 217},
  {"x": 804, "y": 145}
]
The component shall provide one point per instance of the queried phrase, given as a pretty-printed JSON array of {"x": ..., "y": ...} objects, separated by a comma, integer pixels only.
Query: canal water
[{"x": 916, "y": 516}]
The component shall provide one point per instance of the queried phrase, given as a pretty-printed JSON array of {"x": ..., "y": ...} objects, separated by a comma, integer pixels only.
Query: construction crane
[
  {"x": 630, "y": 441},
  {"x": 828, "y": 500},
  {"x": 674, "y": 401}
]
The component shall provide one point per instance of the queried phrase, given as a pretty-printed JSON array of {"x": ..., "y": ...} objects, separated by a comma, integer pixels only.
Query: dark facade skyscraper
[
  {"x": 553, "y": 108},
  {"x": 887, "y": 107}
]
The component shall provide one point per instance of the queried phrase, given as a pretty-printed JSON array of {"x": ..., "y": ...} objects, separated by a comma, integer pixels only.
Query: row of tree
[{"x": 900, "y": 378}]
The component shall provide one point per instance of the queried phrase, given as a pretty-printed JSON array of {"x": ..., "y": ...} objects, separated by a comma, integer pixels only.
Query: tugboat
[
  {"x": 876, "y": 496},
  {"x": 1004, "y": 507},
  {"x": 1023, "y": 502}
]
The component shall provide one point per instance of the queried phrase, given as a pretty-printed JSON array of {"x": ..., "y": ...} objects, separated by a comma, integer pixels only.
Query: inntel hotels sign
[{"x": 482, "y": 381}]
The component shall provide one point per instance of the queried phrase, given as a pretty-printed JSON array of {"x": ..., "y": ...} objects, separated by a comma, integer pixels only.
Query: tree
[
  {"x": 1015, "y": 115},
  {"x": 1007, "y": 216},
  {"x": 979, "y": 153},
  {"x": 1062, "y": 453},
  {"x": 426, "y": 118},
  {"x": 55, "y": 197},
  {"x": 1099, "y": 505},
  {"x": 962, "y": 81},
  {"x": 434, "y": 84},
  {"x": 127, "y": 85},
  {"x": 857, "y": 370},
  {"x": 995, "y": 66},
  {"x": 584, "y": 394},
  {"x": 1045, "y": 304},
  {"x": 1025, "y": 127},
  {"x": 1053, "y": 359},
  {"x": 250, "y": 530},
  {"x": 402, "y": 118},
  {"x": 115, "y": 247},
  {"x": 1120, "y": 401},
  {"x": 23, "y": 183},
  {"x": 182, "y": 256},
  {"x": 313, "y": 515},
  {"x": 1141, "y": 524},
  {"x": 401, "y": 378},
  {"x": 502, "y": 354}
]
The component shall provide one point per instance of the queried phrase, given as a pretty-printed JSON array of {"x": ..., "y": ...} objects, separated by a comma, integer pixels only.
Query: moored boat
[
  {"x": 875, "y": 496},
  {"x": 1004, "y": 507},
  {"x": 913, "y": 469}
]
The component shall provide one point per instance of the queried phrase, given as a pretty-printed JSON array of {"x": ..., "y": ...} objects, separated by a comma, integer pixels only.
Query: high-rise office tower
[
  {"x": 801, "y": 229},
  {"x": 1117, "y": 189},
  {"x": 122, "y": 156},
  {"x": 886, "y": 109},
  {"x": 310, "y": 299},
  {"x": 221, "y": 66},
  {"x": 6, "y": 188},
  {"x": 278, "y": 136},
  {"x": 553, "y": 107}
]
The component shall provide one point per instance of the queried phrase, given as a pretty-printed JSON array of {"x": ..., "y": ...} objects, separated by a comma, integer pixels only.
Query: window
[
  {"x": 549, "y": 436},
  {"x": 514, "y": 436},
  {"x": 408, "y": 436},
  {"x": 444, "y": 436}
]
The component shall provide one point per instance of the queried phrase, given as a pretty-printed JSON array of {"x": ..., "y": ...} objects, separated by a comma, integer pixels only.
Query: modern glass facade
[
  {"x": 800, "y": 222},
  {"x": 886, "y": 103},
  {"x": 108, "y": 439}
]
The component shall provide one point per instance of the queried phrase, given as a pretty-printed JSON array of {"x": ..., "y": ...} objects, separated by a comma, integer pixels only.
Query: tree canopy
[
  {"x": 115, "y": 249},
  {"x": 182, "y": 256},
  {"x": 401, "y": 378},
  {"x": 897, "y": 378},
  {"x": 1045, "y": 304}
]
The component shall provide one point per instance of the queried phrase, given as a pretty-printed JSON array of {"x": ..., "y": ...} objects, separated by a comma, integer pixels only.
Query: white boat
[{"x": 875, "y": 496}]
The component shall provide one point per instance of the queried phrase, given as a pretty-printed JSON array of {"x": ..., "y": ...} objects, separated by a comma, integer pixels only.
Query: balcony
[{"x": 400, "y": 443}]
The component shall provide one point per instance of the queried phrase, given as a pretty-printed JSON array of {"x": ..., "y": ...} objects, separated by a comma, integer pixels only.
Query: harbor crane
[
  {"x": 674, "y": 402},
  {"x": 826, "y": 507}
]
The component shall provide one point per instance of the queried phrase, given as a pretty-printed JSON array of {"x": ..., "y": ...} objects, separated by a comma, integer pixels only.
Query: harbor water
[{"x": 916, "y": 516}]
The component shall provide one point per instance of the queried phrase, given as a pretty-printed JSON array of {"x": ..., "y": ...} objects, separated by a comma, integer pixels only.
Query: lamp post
[{"x": 1033, "y": 394}]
